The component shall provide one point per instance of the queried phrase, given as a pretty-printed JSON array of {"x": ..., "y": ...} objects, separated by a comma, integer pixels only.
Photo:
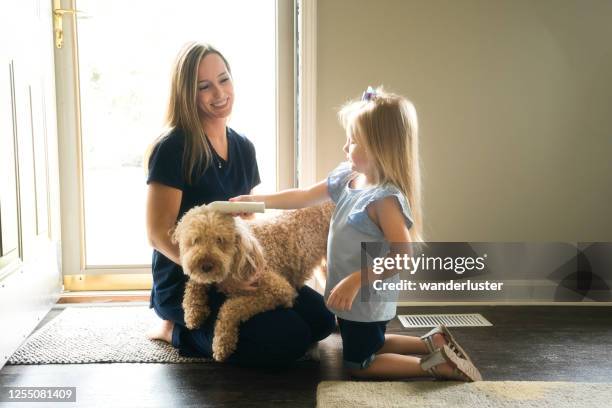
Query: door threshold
[{"x": 105, "y": 296}]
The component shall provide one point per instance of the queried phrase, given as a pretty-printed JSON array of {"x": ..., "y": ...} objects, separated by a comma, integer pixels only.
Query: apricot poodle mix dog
[{"x": 217, "y": 248}]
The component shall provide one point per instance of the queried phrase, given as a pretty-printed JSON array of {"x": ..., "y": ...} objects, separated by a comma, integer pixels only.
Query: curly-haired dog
[
  {"x": 217, "y": 248},
  {"x": 295, "y": 242}
]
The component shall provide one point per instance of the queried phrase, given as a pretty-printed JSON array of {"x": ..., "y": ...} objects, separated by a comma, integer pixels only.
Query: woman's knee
[
  {"x": 277, "y": 337},
  {"x": 311, "y": 306},
  {"x": 327, "y": 325}
]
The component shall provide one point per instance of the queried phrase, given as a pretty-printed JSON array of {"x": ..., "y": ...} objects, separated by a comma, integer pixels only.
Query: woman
[{"x": 200, "y": 160}]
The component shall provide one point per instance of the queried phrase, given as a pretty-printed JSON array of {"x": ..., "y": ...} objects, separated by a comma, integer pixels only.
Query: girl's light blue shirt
[{"x": 350, "y": 226}]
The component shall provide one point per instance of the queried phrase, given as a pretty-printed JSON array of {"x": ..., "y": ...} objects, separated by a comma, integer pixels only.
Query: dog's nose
[{"x": 207, "y": 266}]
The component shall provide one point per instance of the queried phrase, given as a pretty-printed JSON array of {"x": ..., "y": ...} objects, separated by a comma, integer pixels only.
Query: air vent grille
[{"x": 450, "y": 320}]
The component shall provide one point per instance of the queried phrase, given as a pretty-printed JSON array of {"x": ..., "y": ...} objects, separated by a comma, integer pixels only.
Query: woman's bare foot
[{"x": 162, "y": 331}]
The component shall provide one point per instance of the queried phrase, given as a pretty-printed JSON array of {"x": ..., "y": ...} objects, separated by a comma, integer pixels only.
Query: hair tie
[{"x": 369, "y": 94}]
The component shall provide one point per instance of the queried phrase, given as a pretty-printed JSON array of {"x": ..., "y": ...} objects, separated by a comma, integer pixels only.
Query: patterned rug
[
  {"x": 82, "y": 335},
  {"x": 438, "y": 394}
]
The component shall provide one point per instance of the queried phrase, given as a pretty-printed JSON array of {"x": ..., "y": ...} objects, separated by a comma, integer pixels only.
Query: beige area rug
[
  {"x": 483, "y": 394},
  {"x": 81, "y": 335}
]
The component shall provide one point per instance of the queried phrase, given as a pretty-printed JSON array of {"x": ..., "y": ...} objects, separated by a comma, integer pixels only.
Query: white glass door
[{"x": 125, "y": 52}]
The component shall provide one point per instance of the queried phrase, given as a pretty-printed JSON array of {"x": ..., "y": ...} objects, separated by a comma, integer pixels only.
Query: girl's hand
[
  {"x": 244, "y": 198},
  {"x": 343, "y": 294}
]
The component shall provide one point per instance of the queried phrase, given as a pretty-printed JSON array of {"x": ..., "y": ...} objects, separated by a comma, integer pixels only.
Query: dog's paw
[
  {"x": 224, "y": 344},
  {"x": 191, "y": 323},
  {"x": 221, "y": 351},
  {"x": 193, "y": 320},
  {"x": 195, "y": 317},
  {"x": 221, "y": 355}
]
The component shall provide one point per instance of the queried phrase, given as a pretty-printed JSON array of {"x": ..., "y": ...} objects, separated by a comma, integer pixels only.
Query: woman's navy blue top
[{"x": 221, "y": 180}]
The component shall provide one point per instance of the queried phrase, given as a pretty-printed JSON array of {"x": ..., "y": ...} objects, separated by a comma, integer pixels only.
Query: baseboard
[{"x": 113, "y": 297}]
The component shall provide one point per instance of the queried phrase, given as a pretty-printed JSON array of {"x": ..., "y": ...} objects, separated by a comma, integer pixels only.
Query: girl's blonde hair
[
  {"x": 386, "y": 125},
  {"x": 182, "y": 111}
]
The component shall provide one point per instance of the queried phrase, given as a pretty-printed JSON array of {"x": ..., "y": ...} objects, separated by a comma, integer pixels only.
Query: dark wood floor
[{"x": 555, "y": 343}]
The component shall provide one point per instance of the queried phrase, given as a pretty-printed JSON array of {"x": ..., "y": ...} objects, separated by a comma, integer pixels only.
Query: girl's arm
[
  {"x": 390, "y": 220},
  {"x": 387, "y": 214},
  {"x": 291, "y": 198},
  {"x": 163, "y": 205}
]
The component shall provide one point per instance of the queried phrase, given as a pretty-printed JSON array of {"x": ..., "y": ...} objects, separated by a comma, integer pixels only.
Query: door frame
[{"x": 77, "y": 274}]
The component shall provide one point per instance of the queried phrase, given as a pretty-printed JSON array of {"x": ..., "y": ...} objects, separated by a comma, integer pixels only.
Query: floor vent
[{"x": 450, "y": 320}]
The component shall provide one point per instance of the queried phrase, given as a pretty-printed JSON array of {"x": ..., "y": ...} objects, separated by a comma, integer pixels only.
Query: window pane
[{"x": 126, "y": 50}]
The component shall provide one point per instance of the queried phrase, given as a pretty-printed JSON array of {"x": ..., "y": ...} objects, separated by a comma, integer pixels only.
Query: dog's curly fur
[{"x": 216, "y": 248}]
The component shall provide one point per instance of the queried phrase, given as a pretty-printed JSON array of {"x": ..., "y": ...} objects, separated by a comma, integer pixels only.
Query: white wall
[{"x": 514, "y": 101}]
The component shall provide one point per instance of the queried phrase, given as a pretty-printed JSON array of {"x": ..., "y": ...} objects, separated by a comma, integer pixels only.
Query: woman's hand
[
  {"x": 249, "y": 285},
  {"x": 343, "y": 294}
]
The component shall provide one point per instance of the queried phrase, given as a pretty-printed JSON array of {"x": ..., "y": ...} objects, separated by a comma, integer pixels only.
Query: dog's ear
[
  {"x": 256, "y": 258},
  {"x": 249, "y": 256},
  {"x": 190, "y": 217}
]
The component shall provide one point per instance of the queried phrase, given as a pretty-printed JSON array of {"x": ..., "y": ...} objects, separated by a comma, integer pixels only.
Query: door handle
[{"x": 58, "y": 29}]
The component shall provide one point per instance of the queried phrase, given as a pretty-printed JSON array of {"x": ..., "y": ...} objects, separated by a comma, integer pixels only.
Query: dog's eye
[
  {"x": 220, "y": 240},
  {"x": 195, "y": 241}
]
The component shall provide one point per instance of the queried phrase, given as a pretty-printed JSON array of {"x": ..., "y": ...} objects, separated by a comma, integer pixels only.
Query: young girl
[{"x": 377, "y": 196}]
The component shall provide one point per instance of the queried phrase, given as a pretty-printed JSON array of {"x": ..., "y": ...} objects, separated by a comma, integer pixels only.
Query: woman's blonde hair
[
  {"x": 386, "y": 125},
  {"x": 182, "y": 111}
]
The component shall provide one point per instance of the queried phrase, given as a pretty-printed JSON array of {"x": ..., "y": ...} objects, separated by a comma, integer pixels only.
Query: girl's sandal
[
  {"x": 464, "y": 370},
  {"x": 451, "y": 342}
]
